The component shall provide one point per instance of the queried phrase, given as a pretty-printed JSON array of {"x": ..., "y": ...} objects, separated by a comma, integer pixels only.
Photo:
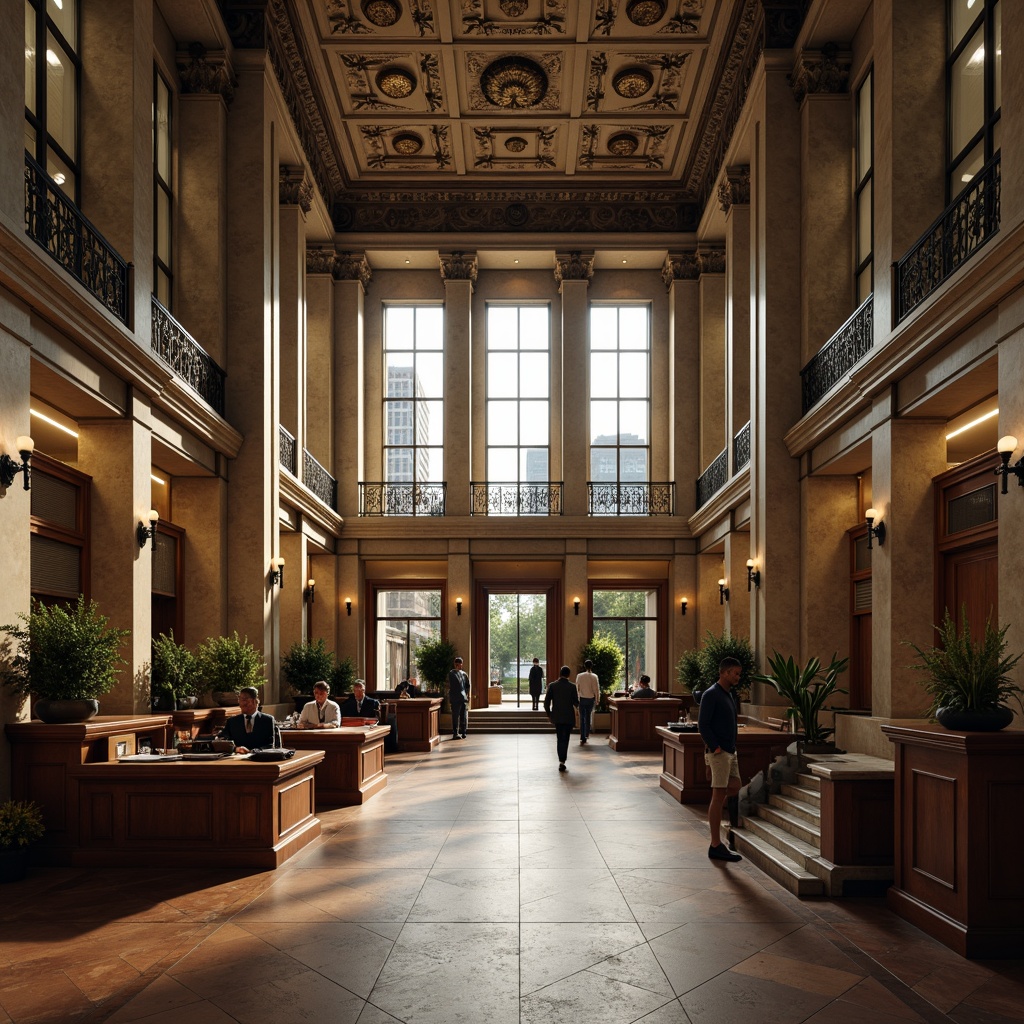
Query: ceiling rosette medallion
[
  {"x": 396, "y": 83},
  {"x": 394, "y": 147},
  {"x": 639, "y": 80},
  {"x": 520, "y": 149},
  {"x": 371, "y": 17},
  {"x": 642, "y": 17},
  {"x": 388, "y": 81},
  {"x": 615, "y": 147},
  {"x": 515, "y": 82},
  {"x": 513, "y": 17}
]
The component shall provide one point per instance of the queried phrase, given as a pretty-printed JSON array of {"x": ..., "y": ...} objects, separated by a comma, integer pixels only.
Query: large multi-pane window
[
  {"x": 631, "y": 618},
  {"x": 52, "y": 72},
  {"x": 163, "y": 193},
  {"x": 413, "y": 394},
  {"x": 974, "y": 87},
  {"x": 518, "y": 395},
  {"x": 404, "y": 619},
  {"x": 620, "y": 394},
  {"x": 864, "y": 164}
]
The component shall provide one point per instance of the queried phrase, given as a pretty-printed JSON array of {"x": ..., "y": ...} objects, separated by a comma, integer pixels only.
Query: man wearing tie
[
  {"x": 458, "y": 696},
  {"x": 252, "y": 729},
  {"x": 358, "y": 705}
]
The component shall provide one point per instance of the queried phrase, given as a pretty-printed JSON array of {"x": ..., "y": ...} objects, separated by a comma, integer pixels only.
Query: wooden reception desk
[
  {"x": 634, "y": 721},
  {"x": 352, "y": 769}
]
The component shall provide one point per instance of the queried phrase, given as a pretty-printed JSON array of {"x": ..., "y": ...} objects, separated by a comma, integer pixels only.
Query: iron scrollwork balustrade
[
  {"x": 838, "y": 356},
  {"x": 713, "y": 478},
  {"x": 741, "y": 448},
  {"x": 319, "y": 481},
  {"x": 187, "y": 358},
  {"x": 516, "y": 499},
  {"x": 287, "y": 450},
  {"x": 402, "y": 499},
  {"x": 54, "y": 223},
  {"x": 964, "y": 227},
  {"x": 640, "y": 498}
]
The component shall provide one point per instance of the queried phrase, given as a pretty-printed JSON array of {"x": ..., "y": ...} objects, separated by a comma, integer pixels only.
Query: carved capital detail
[
  {"x": 293, "y": 189},
  {"x": 712, "y": 261},
  {"x": 204, "y": 72},
  {"x": 734, "y": 190},
  {"x": 574, "y": 266},
  {"x": 320, "y": 261},
  {"x": 352, "y": 266},
  {"x": 458, "y": 266},
  {"x": 680, "y": 266},
  {"x": 820, "y": 73}
]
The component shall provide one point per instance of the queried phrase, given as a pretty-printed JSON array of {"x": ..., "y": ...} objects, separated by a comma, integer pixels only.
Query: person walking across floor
[
  {"x": 588, "y": 687},
  {"x": 458, "y": 697},
  {"x": 536, "y": 683},
  {"x": 717, "y": 722},
  {"x": 560, "y": 703}
]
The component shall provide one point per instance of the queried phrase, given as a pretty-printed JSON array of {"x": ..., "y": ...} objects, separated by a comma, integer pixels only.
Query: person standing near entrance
[
  {"x": 536, "y": 683},
  {"x": 458, "y": 697},
  {"x": 588, "y": 686},
  {"x": 717, "y": 723},
  {"x": 560, "y": 703}
]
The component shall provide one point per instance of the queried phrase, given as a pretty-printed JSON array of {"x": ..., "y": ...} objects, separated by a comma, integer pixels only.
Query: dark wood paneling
[
  {"x": 933, "y": 852},
  {"x": 634, "y": 722}
]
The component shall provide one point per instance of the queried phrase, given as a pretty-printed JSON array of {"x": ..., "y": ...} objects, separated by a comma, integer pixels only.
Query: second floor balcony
[
  {"x": 187, "y": 358},
  {"x": 537, "y": 498},
  {"x": 838, "y": 356},
  {"x": 630, "y": 498},
  {"x": 383, "y": 498}
]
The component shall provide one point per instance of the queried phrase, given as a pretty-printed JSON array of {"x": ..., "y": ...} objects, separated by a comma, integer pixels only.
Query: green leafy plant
[
  {"x": 305, "y": 664},
  {"x": 64, "y": 653},
  {"x": 608, "y": 658},
  {"x": 227, "y": 663},
  {"x": 21, "y": 823},
  {"x": 434, "y": 659},
  {"x": 807, "y": 689},
  {"x": 175, "y": 669},
  {"x": 968, "y": 674},
  {"x": 342, "y": 676},
  {"x": 690, "y": 670},
  {"x": 697, "y": 669}
]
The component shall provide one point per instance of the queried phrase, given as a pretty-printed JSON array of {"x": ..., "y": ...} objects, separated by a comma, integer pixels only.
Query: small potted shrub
[
  {"x": 697, "y": 669},
  {"x": 342, "y": 676},
  {"x": 807, "y": 689},
  {"x": 606, "y": 654},
  {"x": 174, "y": 678},
  {"x": 66, "y": 657},
  {"x": 21, "y": 824},
  {"x": 226, "y": 664},
  {"x": 435, "y": 658},
  {"x": 305, "y": 664}
]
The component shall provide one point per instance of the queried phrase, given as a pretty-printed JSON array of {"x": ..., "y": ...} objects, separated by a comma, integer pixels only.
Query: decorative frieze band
[
  {"x": 734, "y": 190},
  {"x": 293, "y": 189},
  {"x": 574, "y": 266},
  {"x": 820, "y": 73},
  {"x": 680, "y": 266},
  {"x": 203, "y": 72},
  {"x": 458, "y": 266}
]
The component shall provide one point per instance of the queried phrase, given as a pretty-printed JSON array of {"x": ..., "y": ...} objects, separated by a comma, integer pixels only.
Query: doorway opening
[{"x": 516, "y": 634}]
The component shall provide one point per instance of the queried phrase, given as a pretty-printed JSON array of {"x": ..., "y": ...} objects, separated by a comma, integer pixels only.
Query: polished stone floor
[{"x": 482, "y": 887}]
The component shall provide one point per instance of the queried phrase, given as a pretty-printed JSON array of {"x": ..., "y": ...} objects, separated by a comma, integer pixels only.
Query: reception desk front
[
  {"x": 352, "y": 769},
  {"x": 634, "y": 721}
]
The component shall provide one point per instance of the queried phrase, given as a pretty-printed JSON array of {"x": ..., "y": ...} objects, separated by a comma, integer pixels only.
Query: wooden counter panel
[
  {"x": 296, "y": 803},
  {"x": 634, "y": 721},
  {"x": 352, "y": 769},
  {"x": 419, "y": 720}
]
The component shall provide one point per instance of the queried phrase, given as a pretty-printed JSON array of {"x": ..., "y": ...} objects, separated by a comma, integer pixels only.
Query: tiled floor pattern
[{"x": 483, "y": 887}]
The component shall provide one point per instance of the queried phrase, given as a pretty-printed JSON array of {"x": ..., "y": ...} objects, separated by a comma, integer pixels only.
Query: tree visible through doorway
[{"x": 517, "y": 630}]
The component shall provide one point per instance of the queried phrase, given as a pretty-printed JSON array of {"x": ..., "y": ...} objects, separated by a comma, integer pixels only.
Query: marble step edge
[
  {"x": 797, "y": 808},
  {"x": 792, "y": 846},
  {"x": 790, "y": 823},
  {"x": 811, "y": 797},
  {"x": 808, "y": 780},
  {"x": 787, "y": 872}
]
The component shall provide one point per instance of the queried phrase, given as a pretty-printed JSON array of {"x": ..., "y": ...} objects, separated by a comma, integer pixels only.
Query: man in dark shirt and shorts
[{"x": 717, "y": 723}]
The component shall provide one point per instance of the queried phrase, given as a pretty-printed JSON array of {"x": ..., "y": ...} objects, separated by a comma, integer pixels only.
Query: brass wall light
[
  {"x": 277, "y": 572},
  {"x": 576, "y": 605},
  {"x": 348, "y": 605},
  {"x": 9, "y": 468},
  {"x": 311, "y": 591},
  {"x": 874, "y": 531},
  {"x": 682, "y": 606},
  {"x": 753, "y": 575},
  {"x": 1006, "y": 447},
  {"x": 144, "y": 531},
  {"x": 458, "y": 606},
  {"x": 723, "y": 592}
]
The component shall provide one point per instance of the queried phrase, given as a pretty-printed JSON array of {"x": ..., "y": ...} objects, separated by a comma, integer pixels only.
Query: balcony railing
[
  {"x": 319, "y": 481},
  {"x": 965, "y": 226},
  {"x": 713, "y": 478},
  {"x": 402, "y": 499},
  {"x": 632, "y": 498},
  {"x": 839, "y": 355},
  {"x": 741, "y": 447},
  {"x": 187, "y": 358},
  {"x": 54, "y": 223},
  {"x": 516, "y": 499},
  {"x": 287, "y": 450}
]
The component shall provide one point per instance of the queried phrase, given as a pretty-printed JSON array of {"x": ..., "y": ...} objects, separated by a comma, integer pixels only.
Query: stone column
[
  {"x": 322, "y": 612},
  {"x": 1011, "y": 127},
  {"x": 711, "y": 612},
  {"x": 734, "y": 199},
  {"x": 737, "y": 551},
  {"x": 295, "y": 196},
  {"x": 291, "y": 601},
  {"x": 200, "y": 507},
  {"x": 458, "y": 271},
  {"x": 12, "y": 125},
  {"x": 573, "y": 271},
  {"x": 349, "y": 586},
  {"x": 117, "y": 455},
  {"x": 575, "y": 626},
  {"x": 713, "y": 436},
  {"x": 683, "y": 631},
  {"x": 460, "y": 627},
  {"x": 320, "y": 359}
]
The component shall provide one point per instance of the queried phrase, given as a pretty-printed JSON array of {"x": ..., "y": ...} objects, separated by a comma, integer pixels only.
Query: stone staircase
[{"x": 495, "y": 719}]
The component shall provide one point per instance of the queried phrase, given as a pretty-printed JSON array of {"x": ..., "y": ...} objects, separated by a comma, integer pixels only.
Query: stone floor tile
[
  {"x": 300, "y": 998},
  {"x": 801, "y": 974},
  {"x": 870, "y": 997},
  {"x": 165, "y": 993},
  {"x": 591, "y": 997},
  {"x": 468, "y": 894},
  {"x": 551, "y": 952},
  {"x": 558, "y": 895},
  {"x": 743, "y": 1000}
]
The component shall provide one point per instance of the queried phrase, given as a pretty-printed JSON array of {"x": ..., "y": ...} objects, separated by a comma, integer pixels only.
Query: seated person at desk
[
  {"x": 252, "y": 729},
  {"x": 320, "y": 713},
  {"x": 358, "y": 705},
  {"x": 402, "y": 690},
  {"x": 644, "y": 691},
  {"x": 414, "y": 688}
]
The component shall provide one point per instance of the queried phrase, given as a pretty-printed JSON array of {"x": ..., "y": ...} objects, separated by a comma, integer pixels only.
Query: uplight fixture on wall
[
  {"x": 277, "y": 572},
  {"x": 147, "y": 531},
  {"x": 1006, "y": 447},
  {"x": 878, "y": 531},
  {"x": 9, "y": 468},
  {"x": 348, "y": 605},
  {"x": 753, "y": 575},
  {"x": 310, "y": 591},
  {"x": 458, "y": 606},
  {"x": 576, "y": 605},
  {"x": 723, "y": 592},
  {"x": 682, "y": 606}
]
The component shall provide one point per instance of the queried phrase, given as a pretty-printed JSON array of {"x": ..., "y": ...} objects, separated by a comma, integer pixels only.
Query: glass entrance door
[{"x": 517, "y": 633}]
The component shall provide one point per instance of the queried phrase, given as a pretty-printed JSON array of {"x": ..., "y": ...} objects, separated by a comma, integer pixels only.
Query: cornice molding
[
  {"x": 295, "y": 494},
  {"x": 682, "y": 265},
  {"x": 734, "y": 189},
  {"x": 574, "y": 266},
  {"x": 820, "y": 73},
  {"x": 203, "y": 72},
  {"x": 293, "y": 189},
  {"x": 722, "y": 505},
  {"x": 458, "y": 266}
]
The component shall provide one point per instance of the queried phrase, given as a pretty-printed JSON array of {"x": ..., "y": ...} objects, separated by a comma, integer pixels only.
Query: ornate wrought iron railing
[
  {"x": 287, "y": 450},
  {"x": 319, "y": 481},
  {"x": 713, "y": 478},
  {"x": 631, "y": 498},
  {"x": 402, "y": 499},
  {"x": 741, "y": 447},
  {"x": 54, "y": 223},
  {"x": 516, "y": 499},
  {"x": 187, "y": 358},
  {"x": 962, "y": 229},
  {"x": 839, "y": 355}
]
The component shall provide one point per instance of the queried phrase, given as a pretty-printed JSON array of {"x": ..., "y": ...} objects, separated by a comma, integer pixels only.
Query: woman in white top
[{"x": 320, "y": 713}]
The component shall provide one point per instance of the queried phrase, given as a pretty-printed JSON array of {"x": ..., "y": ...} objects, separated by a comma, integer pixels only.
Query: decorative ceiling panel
[
  {"x": 638, "y": 80},
  {"x": 380, "y": 19},
  {"x": 635, "y": 19},
  {"x": 502, "y": 83},
  {"x": 517, "y": 149},
  {"x": 519, "y": 19},
  {"x": 398, "y": 82}
]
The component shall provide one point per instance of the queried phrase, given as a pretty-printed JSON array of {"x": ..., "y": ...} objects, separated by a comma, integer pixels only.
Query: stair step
[
  {"x": 797, "y": 808},
  {"x": 785, "y": 842},
  {"x": 787, "y": 872},
  {"x": 808, "y": 780},
  {"x": 790, "y": 823},
  {"x": 811, "y": 797}
]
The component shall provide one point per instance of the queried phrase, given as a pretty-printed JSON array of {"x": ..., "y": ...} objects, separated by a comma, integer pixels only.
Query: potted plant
[
  {"x": 807, "y": 689},
  {"x": 174, "y": 677},
  {"x": 435, "y": 658},
  {"x": 66, "y": 657},
  {"x": 342, "y": 676},
  {"x": 226, "y": 664},
  {"x": 969, "y": 682},
  {"x": 21, "y": 823},
  {"x": 305, "y": 664},
  {"x": 697, "y": 669},
  {"x": 608, "y": 658}
]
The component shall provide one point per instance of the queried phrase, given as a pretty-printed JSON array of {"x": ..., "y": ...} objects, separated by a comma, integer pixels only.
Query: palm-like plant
[{"x": 807, "y": 689}]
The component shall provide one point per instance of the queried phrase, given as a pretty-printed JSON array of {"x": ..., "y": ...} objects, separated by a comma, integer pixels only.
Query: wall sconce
[
  {"x": 682, "y": 606},
  {"x": 753, "y": 575},
  {"x": 1006, "y": 447},
  {"x": 874, "y": 531},
  {"x": 348, "y": 605},
  {"x": 458, "y": 606},
  {"x": 310, "y": 591},
  {"x": 277, "y": 572},
  {"x": 723, "y": 592},
  {"x": 9, "y": 469},
  {"x": 144, "y": 532},
  {"x": 576, "y": 605}
]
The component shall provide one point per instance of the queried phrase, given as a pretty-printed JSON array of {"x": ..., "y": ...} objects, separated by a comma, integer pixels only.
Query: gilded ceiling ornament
[
  {"x": 395, "y": 83},
  {"x": 382, "y": 13},
  {"x": 632, "y": 83},
  {"x": 514, "y": 83},
  {"x": 513, "y": 8},
  {"x": 407, "y": 144},
  {"x": 645, "y": 13},
  {"x": 623, "y": 144},
  {"x": 515, "y": 144}
]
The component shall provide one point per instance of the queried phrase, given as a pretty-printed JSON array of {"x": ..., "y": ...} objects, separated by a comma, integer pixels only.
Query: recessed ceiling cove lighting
[
  {"x": 53, "y": 423},
  {"x": 156, "y": 479}
]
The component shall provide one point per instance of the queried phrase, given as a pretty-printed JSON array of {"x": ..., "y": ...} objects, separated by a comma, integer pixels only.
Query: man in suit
[
  {"x": 458, "y": 697},
  {"x": 560, "y": 703},
  {"x": 358, "y": 705},
  {"x": 536, "y": 683},
  {"x": 252, "y": 729}
]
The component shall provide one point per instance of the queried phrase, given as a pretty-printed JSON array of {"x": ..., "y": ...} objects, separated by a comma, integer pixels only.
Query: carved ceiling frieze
[
  {"x": 635, "y": 80},
  {"x": 643, "y": 17},
  {"x": 820, "y": 73},
  {"x": 614, "y": 147},
  {"x": 519, "y": 18},
  {"x": 381, "y": 17},
  {"x": 515, "y": 149},
  {"x": 403, "y": 147},
  {"x": 202, "y": 71},
  {"x": 516, "y": 82},
  {"x": 405, "y": 81}
]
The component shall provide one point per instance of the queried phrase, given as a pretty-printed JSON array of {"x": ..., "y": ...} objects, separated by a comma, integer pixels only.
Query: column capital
[
  {"x": 293, "y": 188},
  {"x": 821, "y": 71},
  {"x": 682, "y": 265},
  {"x": 574, "y": 266},
  {"x": 202, "y": 71},
  {"x": 712, "y": 261},
  {"x": 458, "y": 266},
  {"x": 320, "y": 261},
  {"x": 734, "y": 189},
  {"x": 352, "y": 266}
]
